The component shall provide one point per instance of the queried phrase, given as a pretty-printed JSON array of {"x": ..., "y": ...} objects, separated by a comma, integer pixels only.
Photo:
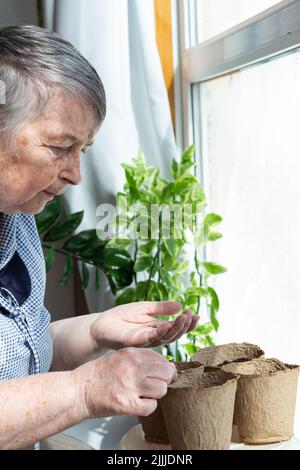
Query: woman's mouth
[{"x": 48, "y": 196}]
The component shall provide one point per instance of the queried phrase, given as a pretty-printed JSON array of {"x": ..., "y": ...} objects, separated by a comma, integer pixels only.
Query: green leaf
[
  {"x": 173, "y": 247},
  {"x": 188, "y": 155},
  {"x": 154, "y": 292},
  {"x": 148, "y": 247},
  {"x": 214, "y": 298},
  {"x": 162, "y": 291},
  {"x": 182, "y": 267},
  {"x": 192, "y": 300},
  {"x": 83, "y": 240},
  {"x": 50, "y": 258},
  {"x": 185, "y": 169},
  {"x": 123, "y": 243},
  {"x": 85, "y": 275},
  {"x": 183, "y": 186},
  {"x": 67, "y": 272},
  {"x": 167, "y": 192},
  {"x": 64, "y": 228},
  {"x": 140, "y": 161},
  {"x": 212, "y": 219},
  {"x": 149, "y": 197},
  {"x": 132, "y": 184},
  {"x": 193, "y": 280},
  {"x": 120, "y": 277},
  {"x": 128, "y": 296},
  {"x": 190, "y": 349},
  {"x": 169, "y": 262},
  {"x": 209, "y": 340},
  {"x": 97, "y": 279},
  {"x": 142, "y": 263},
  {"x": 152, "y": 174},
  {"x": 204, "y": 329},
  {"x": 178, "y": 355},
  {"x": 167, "y": 278},
  {"x": 197, "y": 195},
  {"x": 169, "y": 357},
  {"x": 201, "y": 235},
  {"x": 148, "y": 291},
  {"x": 94, "y": 253},
  {"x": 213, "y": 236},
  {"x": 199, "y": 291},
  {"x": 115, "y": 258},
  {"x": 111, "y": 282},
  {"x": 175, "y": 168},
  {"x": 213, "y": 318},
  {"x": 141, "y": 288},
  {"x": 48, "y": 216},
  {"x": 213, "y": 268}
]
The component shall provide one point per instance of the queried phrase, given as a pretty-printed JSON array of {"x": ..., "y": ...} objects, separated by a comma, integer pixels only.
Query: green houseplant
[{"x": 145, "y": 249}]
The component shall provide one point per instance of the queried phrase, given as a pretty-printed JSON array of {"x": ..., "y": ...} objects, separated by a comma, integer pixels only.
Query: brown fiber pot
[
  {"x": 216, "y": 356},
  {"x": 198, "y": 410},
  {"x": 265, "y": 400},
  {"x": 154, "y": 425}
]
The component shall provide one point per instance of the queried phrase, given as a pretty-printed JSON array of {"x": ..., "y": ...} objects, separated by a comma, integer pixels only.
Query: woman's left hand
[{"x": 136, "y": 325}]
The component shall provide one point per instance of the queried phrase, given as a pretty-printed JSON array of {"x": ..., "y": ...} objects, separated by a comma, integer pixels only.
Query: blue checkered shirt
[{"x": 25, "y": 339}]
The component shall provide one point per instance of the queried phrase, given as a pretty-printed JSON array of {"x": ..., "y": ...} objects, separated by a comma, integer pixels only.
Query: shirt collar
[{"x": 8, "y": 226}]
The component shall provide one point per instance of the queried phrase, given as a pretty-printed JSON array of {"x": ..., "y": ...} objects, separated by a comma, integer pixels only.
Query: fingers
[
  {"x": 126, "y": 382},
  {"x": 145, "y": 356},
  {"x": 153, "y": 365},
  {"x": 152, "y": 374},
  {"x": 183, "y": 324},
  {"x": 194, "y": 322},
  {"x": 146, "y": 406},
  {"x": 155, "y": 332},
  {"x": 180, "y": 326},
  {"x": 184, "y": 329},
  {"x": 167, "y": 374},
  {"x": 153, "y": 388},
  {"x": 152, "y": 336},
  {"x": 176, "y": 328}
]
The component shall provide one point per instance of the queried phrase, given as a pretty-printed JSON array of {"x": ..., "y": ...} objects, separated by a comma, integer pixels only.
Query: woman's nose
[{"x": 72, "y": 174}]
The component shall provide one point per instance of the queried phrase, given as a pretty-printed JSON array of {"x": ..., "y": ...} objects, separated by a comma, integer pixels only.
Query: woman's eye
[{"x": 60, "y": 149}]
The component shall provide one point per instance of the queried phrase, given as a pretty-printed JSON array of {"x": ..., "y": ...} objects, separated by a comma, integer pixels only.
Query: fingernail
[{"x": 189, "y": 312}]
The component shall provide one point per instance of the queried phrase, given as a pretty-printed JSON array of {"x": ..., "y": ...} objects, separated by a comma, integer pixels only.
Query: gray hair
[{"x": 34, "y": 61}]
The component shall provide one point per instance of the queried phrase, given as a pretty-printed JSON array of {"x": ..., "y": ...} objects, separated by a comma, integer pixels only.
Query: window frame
[{"x": 269, "y": 34}]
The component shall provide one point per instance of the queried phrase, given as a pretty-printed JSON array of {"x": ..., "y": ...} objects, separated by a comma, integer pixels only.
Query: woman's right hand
[{"x": 126, "y": 382}]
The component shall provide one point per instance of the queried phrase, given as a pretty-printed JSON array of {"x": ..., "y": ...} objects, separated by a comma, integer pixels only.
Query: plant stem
[
  {"x": 135, "y": 256},
  {"x": 151, "y": 271},
  {"x": 156, "y": 255},
  {"x": 67, "y": 253},
  {"x": 196, "y": 261}
]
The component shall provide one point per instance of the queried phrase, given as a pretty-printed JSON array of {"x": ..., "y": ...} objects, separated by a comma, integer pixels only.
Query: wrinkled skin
[{"x": 45, "y": 158}]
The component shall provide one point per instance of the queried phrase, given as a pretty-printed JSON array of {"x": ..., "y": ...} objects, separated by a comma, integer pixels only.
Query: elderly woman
[{"x": 54, "y": 375}]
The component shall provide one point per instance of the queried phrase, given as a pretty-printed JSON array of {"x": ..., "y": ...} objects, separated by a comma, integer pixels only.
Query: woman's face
[{"x": 46, "y": 158}]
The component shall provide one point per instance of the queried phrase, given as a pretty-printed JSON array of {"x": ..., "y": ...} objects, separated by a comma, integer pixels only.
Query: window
[
  {"x": 212, "y": 17},
  {"x": 250, "y": 123},
  {"x": 241, "y": 105}
]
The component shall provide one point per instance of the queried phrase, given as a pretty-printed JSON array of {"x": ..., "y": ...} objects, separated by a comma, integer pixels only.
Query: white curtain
[
  {"x": 18, "y": 11},
  {"x": 118, "y": 38}
]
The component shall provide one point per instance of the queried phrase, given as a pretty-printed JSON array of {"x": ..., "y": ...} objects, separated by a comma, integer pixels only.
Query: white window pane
[
  {"x": 216, "y": 16},
  {"x": 251, "y": 134},
  {"x": 250, "y": 125}
]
